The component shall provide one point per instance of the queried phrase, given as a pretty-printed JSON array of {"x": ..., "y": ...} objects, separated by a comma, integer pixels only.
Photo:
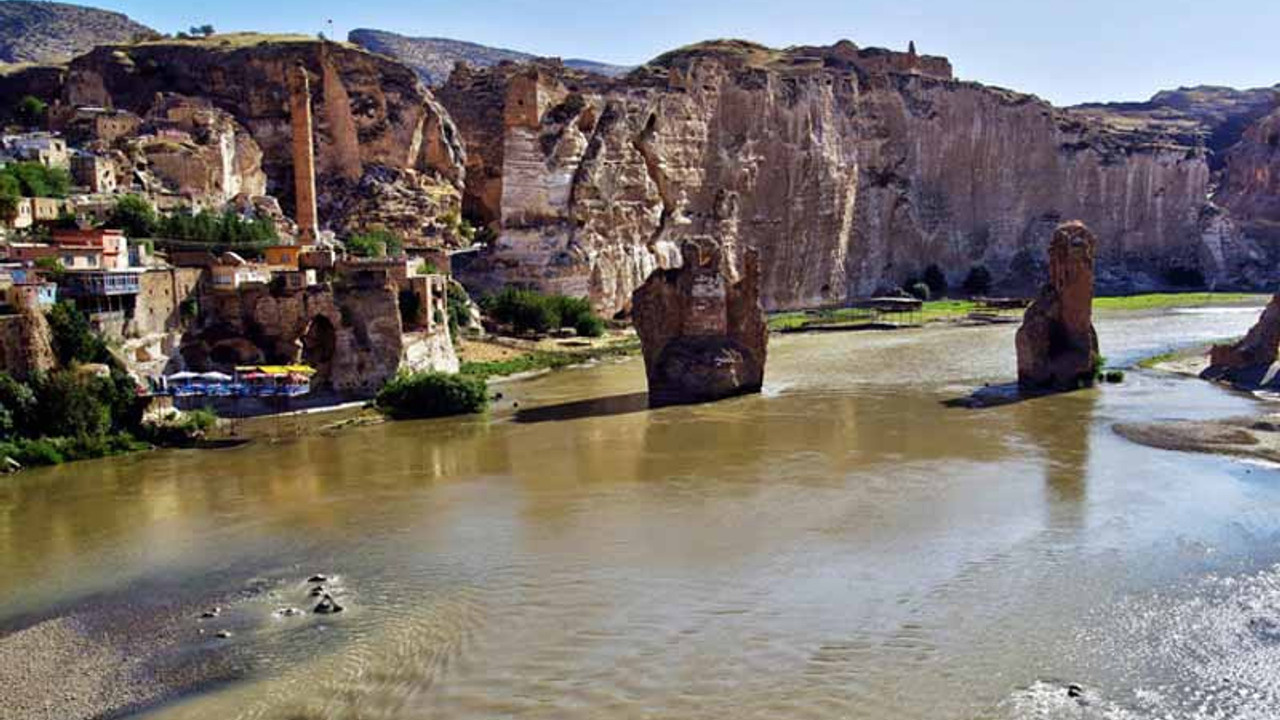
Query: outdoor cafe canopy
[{"x": 276, "y": 370}]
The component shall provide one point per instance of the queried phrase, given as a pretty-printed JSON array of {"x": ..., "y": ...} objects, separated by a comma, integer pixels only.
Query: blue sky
[{"x": 1066, "y": 51}]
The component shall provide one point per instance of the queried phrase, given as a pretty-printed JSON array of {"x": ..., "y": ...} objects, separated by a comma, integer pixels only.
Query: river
[{"x": 843, "y": 545}]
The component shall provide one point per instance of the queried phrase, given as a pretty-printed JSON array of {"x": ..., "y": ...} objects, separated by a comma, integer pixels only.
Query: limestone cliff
[
  {"x": 848, "y": 169},
  {"x": 371, "y": 113}
]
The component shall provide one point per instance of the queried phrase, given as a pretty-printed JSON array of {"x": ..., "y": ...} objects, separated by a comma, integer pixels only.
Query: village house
[
  {"x": 232, "y": 271},
  {"x": 45, "y": 148},
  {"x": 94, "y": 172},
  {"x": 111, "y": 247}
]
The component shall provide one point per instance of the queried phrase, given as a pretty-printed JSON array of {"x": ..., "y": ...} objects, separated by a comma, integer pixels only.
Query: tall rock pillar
[
  {"x": 1057, "y": 345},
  {"x": 304, "y": 158}
]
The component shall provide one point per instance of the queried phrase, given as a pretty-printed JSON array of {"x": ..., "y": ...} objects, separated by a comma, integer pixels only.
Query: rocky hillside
[
  {"x": 48, "y": 32},
  {"x": 1216, "y": 116},
  {"x": 849, "y": 169},
  {"x": 386, "y": 152},
  {"x": 433, "y": 58}
]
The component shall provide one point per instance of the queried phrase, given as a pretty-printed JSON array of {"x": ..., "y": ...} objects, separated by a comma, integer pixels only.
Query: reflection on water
[{"x": 842, "y": 546}]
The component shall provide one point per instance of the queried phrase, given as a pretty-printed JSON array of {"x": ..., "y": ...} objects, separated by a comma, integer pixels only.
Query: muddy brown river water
[{"x": 841, "y": 546}]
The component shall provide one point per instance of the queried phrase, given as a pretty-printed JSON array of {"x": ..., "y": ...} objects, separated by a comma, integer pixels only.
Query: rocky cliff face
[
  {"x": 372, "y": 115},
  {"x": 1251, "y": 182},
  {"x": 848, "y": 169}
]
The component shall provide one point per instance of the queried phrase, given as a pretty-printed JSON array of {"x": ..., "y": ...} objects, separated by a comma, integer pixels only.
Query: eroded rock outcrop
[
  {"x": 1249, "y": 361},
  {"x": 848, "y": 169},
  {"x": 1057, "y": 345},
  {"x": 370, "y": 113},
  {"x": 26, "y": 343},
  {"x": 1251, "y": 182},
  {"x": 352, "y": 336},
  {"x": 702, "y": 327}
]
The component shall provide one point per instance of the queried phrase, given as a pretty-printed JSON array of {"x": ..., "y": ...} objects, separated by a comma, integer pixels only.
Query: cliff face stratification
[
  {"x": 372, "y": 115},
  {"x": 848, "y": 169}
]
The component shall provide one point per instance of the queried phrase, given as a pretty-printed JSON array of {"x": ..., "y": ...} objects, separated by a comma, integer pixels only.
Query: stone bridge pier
[{"x": 702, "y": 327}]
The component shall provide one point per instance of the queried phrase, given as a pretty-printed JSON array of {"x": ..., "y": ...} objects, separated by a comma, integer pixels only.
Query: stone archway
[{"x": 319, "y": 343}]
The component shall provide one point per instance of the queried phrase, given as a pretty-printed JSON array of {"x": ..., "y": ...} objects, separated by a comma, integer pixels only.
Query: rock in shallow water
[
  {"x": 328, "y": 606},
  {"x": 1057, "y": 345},
  {"x": 701, "y": 326}
]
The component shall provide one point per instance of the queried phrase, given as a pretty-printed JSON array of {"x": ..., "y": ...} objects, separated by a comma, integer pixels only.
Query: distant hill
[
  {"x": 433, "y": 58},
  {"x": 49, "y": 32}
]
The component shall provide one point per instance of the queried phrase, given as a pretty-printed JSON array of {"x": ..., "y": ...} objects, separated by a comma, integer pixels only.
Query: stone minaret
[{"x": 304, "y": 159}]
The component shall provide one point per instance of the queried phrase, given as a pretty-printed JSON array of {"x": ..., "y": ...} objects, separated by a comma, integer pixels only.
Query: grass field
[{"x": 944, "y": 310}]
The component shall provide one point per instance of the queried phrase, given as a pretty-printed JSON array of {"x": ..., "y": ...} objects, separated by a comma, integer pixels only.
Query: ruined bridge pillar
[
  {"x": 1057, "y": 346},
  {"x": 701, "y": 327}
]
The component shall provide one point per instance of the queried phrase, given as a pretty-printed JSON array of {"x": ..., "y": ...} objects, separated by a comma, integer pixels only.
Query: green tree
[
  {"x": 31, "y": 179},
  {"x": 73, "y": 338},
  {"x": 134, "y": 215},
  {"x": 978, "y": 281},
  {"x": 18, "y": 402},
  {"x": 31, "y": 111},
  {"x": 68, "y": 405},
  {"x": 936, "y": 280}
]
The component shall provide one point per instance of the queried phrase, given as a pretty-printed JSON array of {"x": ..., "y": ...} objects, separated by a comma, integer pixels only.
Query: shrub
[
  {"x": 429, "y": 395},
  {"x": 920, "y": 291},
  {"x": 524, "y": 310},
  {"x": 978, "y": 281},
  {"x": 590, "y": 326},
  {"x": 31, "y": 111},
  {"x": 936, "y": 280},
  {"x": 375, "y": 243},
  {"x": 1184, "y": 277},
  {"x": 527, "y": 311},
  {"x": 459, "y": 304},
  {"x": 18, "y": 401},
  {"x": 1113, "y": 376}
]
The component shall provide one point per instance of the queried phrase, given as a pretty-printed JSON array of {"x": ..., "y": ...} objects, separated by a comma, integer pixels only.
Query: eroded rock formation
[
  {"x": 702, "y": 327},
  {"x": 370, "y": 113},
  {"x": 1057, "y": 345},
  {"x": 848, "y": 169},
  {"x": 26, "y": 343},
  {"x": 353, "y": 336},
  {"x": 1249, "y": 361}
]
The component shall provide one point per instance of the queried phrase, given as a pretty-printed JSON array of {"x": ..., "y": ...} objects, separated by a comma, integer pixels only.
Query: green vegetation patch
[{"x": 432, "y": 395}]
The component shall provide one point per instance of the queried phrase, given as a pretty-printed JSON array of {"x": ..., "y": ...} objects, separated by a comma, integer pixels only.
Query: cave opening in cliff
[{"x": 318, "y": 345}]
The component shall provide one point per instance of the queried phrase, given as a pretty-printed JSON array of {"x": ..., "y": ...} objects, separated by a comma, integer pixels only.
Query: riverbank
[
  {"x": 971, "y": 312},
  {"x": 1252, "y": 437}
]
